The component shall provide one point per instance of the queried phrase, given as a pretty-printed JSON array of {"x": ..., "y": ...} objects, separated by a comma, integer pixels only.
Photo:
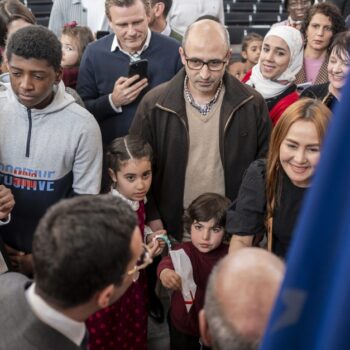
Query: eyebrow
[
  {"x": 32, "y": 71},
  {"x": 297, "y": 143},
  {"x": 276, "y": 47}
]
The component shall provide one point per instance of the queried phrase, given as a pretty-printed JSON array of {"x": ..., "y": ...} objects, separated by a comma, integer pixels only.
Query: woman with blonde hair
[{"x": 272, "y": 190}]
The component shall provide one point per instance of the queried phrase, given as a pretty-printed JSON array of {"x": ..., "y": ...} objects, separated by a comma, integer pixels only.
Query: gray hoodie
[{"x": 45, "y": 155}]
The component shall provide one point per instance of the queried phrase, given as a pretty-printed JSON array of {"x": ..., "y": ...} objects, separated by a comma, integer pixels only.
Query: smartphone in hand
[{"x": 139, "y": 67}]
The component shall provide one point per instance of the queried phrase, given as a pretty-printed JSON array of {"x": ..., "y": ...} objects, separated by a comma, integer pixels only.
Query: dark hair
[
  {"x": 329, "y": 10},
  {"x": 125, "y": 3},
  {"x": 35, "y": 42},
  {"x": 82, "y": 36},
  {"x": 120, "y": 150},
  {"x": 206, "y": 207},
  {"x": 80, "y": 246},
  {"x": 341, "y": 43},
  {"x": 11, "y": 10},
  {"x": 167, "y": 5},
  {"x": 248, "y": 39}
]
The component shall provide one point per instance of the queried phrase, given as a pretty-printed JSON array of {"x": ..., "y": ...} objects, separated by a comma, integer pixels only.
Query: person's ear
[
  {"x": 204, "y": 328},
  {"x": 244, "y": 55},
  {"x": 106, "y": 296},
  {"x": 59, "y": 75},
  {"x": 159, "y": 9},
  {"x": 112, "y": 175},
  {"x": 182, "y": 55}
]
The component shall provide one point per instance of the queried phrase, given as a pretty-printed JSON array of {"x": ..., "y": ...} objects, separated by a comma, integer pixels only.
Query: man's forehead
[
  {"x": 127, "y": 13},
  {"x": 208, "y": 35}
]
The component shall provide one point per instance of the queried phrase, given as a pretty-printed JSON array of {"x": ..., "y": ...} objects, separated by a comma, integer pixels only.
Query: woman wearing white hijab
[{"x": 280, "y": 60}]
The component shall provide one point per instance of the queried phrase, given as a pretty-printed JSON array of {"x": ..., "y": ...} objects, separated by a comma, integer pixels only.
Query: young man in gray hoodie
[{"x": 50, "y": 147}]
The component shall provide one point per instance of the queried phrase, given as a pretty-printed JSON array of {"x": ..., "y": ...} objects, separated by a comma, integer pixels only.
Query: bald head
[
  {"x": 240, "y": 294},
  {"x": 207, "y": 30}
]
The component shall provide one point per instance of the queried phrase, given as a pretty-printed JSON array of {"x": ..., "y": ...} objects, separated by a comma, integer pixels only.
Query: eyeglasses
[
  {"x": 144, "y": 260},
  {"x": 197, "y": 64}
]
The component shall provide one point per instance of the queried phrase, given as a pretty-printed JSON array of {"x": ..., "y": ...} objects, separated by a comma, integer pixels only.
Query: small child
[
  {"x": 251, "y": 48},
  {"x": 123, "y": 325},
  {"x": 74, "y": 40},
  {"x": 205, "y": 220},
  {"x": 236, "y": 69}
]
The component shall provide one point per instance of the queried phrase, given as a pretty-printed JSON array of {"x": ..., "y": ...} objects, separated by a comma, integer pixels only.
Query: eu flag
[{"x": 313, "y": 307}]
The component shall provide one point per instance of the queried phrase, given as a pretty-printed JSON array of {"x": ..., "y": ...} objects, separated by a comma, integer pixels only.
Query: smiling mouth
[
  {"x": 268, "y": 68},
  {"x": 299, "y": 169}
]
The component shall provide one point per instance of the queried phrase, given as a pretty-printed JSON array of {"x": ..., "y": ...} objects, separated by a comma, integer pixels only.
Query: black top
[
  {"x": 319, "y": 92},
  {"x": 247, "y": 214},
  {"x": 285, "y": 215}
]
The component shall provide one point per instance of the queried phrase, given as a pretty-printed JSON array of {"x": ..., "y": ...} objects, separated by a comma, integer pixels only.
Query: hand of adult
[
  {"x": 20, "y": 261},
  {"x": 6, "y": 202},
  {"x": 170, "y": 279},
  {"x": 126, "y": 90}
]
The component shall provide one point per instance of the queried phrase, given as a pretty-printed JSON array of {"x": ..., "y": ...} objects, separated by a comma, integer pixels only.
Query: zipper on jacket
[
  {"x": 184, "y": 124},
  {"x": 29, "y": 135}
]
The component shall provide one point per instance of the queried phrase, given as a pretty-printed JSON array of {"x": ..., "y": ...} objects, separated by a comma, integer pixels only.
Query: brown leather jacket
[{"x": 161, "y": 119}]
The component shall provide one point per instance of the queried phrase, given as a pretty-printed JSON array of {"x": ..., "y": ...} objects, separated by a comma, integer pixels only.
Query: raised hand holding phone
[{"x": 126, "y": 90}]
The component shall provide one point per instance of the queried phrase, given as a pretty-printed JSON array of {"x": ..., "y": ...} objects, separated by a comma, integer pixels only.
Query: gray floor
[{"x": 158, "y": 334}]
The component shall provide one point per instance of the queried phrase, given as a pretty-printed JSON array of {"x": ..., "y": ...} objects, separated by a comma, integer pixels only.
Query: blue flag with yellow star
[{"x": 313, "y": 307}]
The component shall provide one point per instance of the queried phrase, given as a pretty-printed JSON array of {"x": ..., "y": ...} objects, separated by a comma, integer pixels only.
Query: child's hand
[
  {"x": 156, "y": 245},
  {"x": 170, "y": 279}
]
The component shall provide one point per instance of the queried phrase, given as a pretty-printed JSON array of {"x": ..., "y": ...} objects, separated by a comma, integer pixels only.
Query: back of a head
[
  {"x": 237, "y": 312},
  {"x": 167, "y": 5},
  {"x": 80, "y": 246},
  {"x": 35, "y": 42},
  {"x": 11, "y": 10}
]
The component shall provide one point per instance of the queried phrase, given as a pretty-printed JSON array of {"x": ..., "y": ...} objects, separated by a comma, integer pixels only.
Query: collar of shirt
[
  {"x": 71, "y": 329},
  {"x": 115, "y": 45},
  {"x": 203, "y": 109},
  {"x": 167, "y": 30},
  {"x": 293, "y": 23}
]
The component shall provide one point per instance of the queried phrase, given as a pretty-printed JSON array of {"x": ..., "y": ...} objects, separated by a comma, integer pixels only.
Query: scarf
[{"x": 271, "y": 88}]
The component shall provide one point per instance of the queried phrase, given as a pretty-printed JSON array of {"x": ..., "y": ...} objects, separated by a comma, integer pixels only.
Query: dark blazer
[{"x": 20, "y": 329}]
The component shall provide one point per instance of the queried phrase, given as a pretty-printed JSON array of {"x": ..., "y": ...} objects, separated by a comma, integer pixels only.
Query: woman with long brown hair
[{"x": 272, "y": 190}]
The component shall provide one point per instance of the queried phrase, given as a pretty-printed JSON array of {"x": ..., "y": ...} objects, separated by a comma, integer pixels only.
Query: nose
[
  {"x": 131, "y": 29},
  {"x": 206, "y": 234},
  {"x": 299, "y": 156},
  {"x": 204, "y": 72},
  {"x": 140, "y": 184},
  {"x": 269, "y": 56},
  {"x": 337, "y": 67},
  {"x": 320, "y": 31},
  {"x": 26, "y": 83}
]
